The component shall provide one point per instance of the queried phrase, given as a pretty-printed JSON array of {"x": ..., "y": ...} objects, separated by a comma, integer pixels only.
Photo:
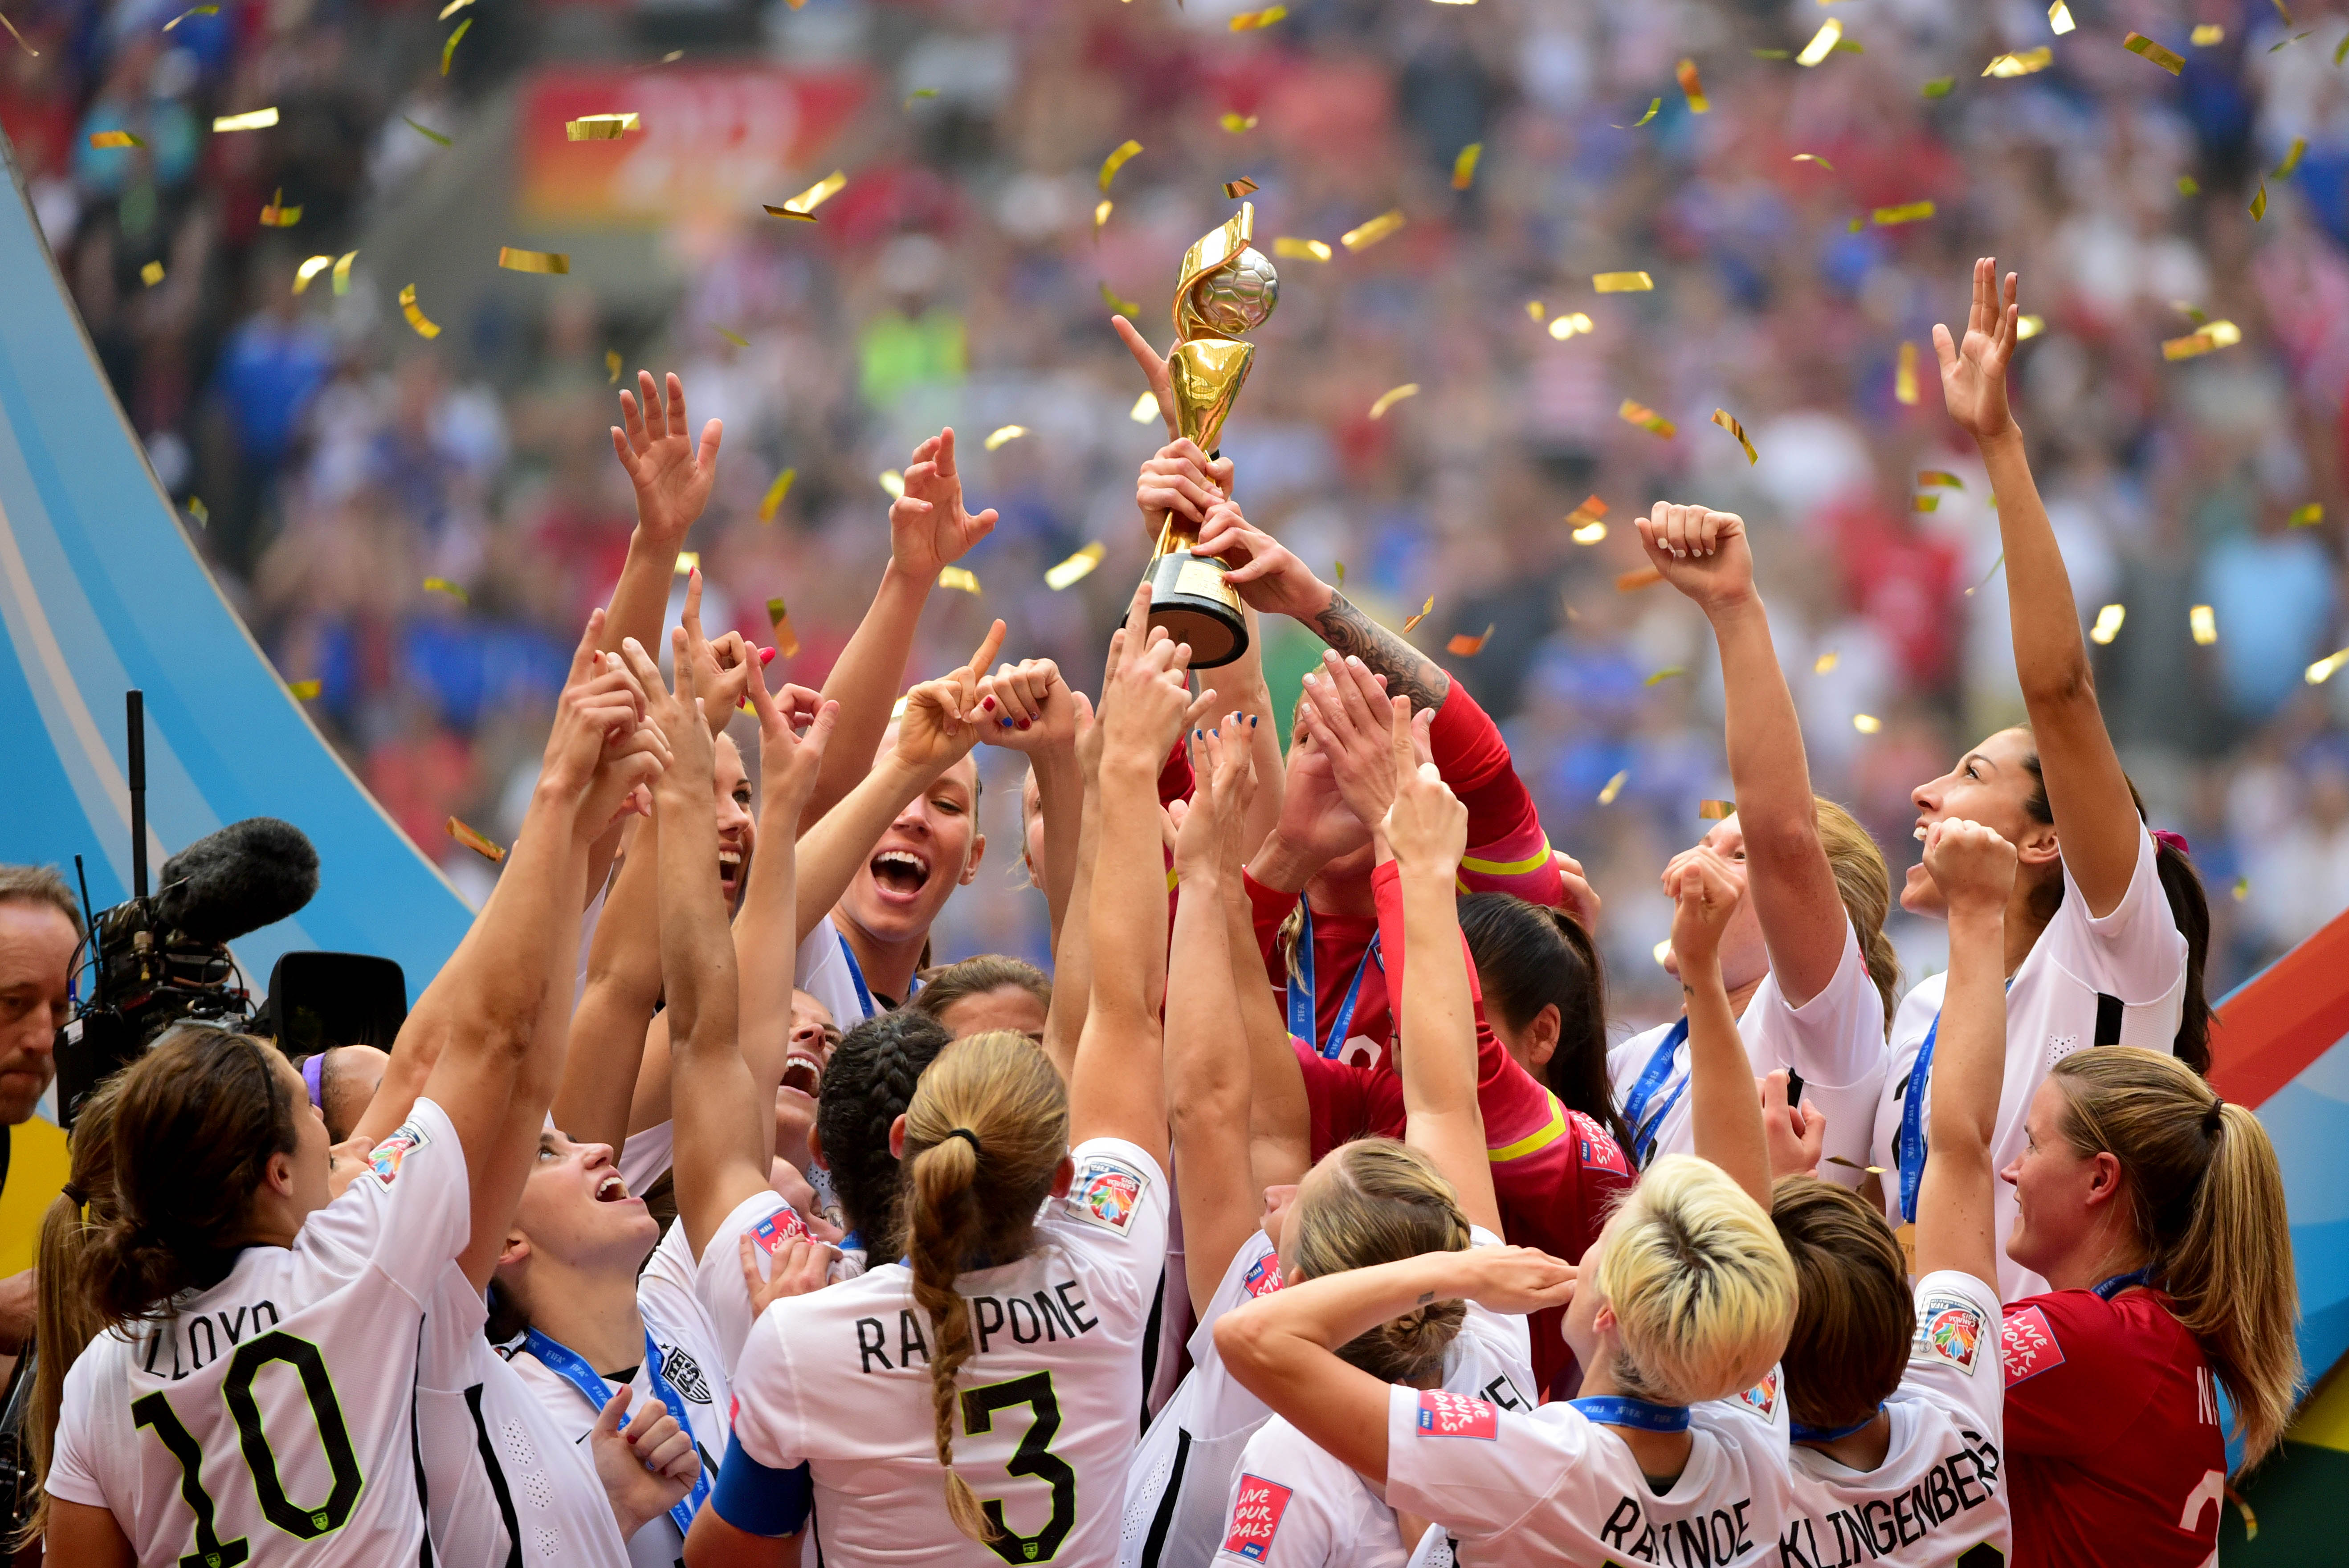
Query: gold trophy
[{"x": 1227, "y": 288}]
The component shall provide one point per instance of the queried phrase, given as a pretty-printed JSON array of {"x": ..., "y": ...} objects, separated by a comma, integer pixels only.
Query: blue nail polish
[{"x": 1006, "y": 723}]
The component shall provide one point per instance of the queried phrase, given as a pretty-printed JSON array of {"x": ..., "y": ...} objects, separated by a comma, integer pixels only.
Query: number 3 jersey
[
  {"x": 1049, "y": 1404},
  {"x": 269, "y": 1419}
]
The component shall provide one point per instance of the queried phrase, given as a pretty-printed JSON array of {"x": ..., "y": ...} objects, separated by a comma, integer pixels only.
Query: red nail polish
[
  {"x": 988, "y": 704},
  {"x": 1023, "y": 724},
  {"x": 766, "y": 655}
]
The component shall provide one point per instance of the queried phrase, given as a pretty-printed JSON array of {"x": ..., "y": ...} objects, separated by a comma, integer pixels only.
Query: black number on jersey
[
  {"x": 1034, "y": 1457},
  {"x": 268, "y": 1488}
]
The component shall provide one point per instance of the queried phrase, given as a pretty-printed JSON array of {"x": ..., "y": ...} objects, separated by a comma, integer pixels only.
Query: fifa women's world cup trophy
[{"x": 1227, "y": 289}]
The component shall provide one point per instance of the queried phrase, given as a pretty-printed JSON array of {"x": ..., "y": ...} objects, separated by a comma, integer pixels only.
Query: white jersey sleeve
[
  {"x": 717, "y": 1282},
  {"x": 94, "y": 1421},
  {"x": 1835, "y": 1042},
  {"x": 415, "y": 1212},
  {"x": 2136, "y": 953},
  {"x": 646, "y": 1157},
  {"x": 821, "y": 968},
  {"x": 1292, "y": 1505}
]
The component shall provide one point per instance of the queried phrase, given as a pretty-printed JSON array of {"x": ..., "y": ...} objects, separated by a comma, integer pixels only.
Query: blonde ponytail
[
  {"x": 1385, "y": 1202},
  {"x": 1864, "y": 886},
  {"x": 64, "y": 1321}
]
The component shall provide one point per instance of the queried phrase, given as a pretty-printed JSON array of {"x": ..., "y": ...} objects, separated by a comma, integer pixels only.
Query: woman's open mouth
[
  {"x": 611, "y": 1189},
  {"x": 900, "y": 875},
  {"x": 802, "y": 1073},
  {"x": 729, "y": 868}
]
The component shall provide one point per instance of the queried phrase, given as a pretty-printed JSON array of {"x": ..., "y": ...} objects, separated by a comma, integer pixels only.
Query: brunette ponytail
[{"x": 1528, "y": 957}]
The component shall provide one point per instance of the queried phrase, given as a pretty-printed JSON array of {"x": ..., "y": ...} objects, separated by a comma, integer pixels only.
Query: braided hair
[{"x": 866, "y": 1087}]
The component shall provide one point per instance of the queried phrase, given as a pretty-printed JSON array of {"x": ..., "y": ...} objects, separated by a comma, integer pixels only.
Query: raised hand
[
  {"x": 1345, "y": 711},
  {"x": 928, "y": 526},
  {"x": 1200, "y": 831},
  {"x": 1271, "y": 579},
  {"x": 800, "y": 1265},
  {"x": 1029, "y": 707},
  {"x": 692, "y": 751},
  {"x": 1795, "y": 1133},
  {"x": 1426, "y": 826},
  {"x": 789, "y": 761},
  {"x": 671, "y": 476},
  {"x": 942, "y": 716},
  {"x": 1514, "y": 1279},
  {"x": 594, "y": 740},
  {"x": 1971, "y": 864},
  {"x": 1147, "y": 703},
  {"x": 1159, "y": 372},
  {"x": 1974, "y": 372},
  {"x": 1700, "y": 552},
  {"x": 725, "y": 665},
  {"x": 646, "y": 1469},
  {"x": 1577, "y": 898},
  {"x": 1181, "y": 479},
  {"x": 1316, "y": 824},
  {"x": 1704, "y": 890}
]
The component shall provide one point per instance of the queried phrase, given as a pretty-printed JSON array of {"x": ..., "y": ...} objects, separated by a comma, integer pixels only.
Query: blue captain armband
[{"x": 758, "y": 1501}]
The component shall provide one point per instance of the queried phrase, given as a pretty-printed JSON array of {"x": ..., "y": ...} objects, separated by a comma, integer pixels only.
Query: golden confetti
[
  {"x": 2139, "y": 45},
  {"x": 1647, "y": 419},
  {"x": 1463, "y": 646},
  {"x": 1341, "y": 574},
  {"x": 151, "y": 273},
  {"x": 1591, "y": 509},
  {"x": 301, "y": 691},
  {"x": 474, "y": 841},
  {"x": 1866, "y": 722},
  {"x": 2108, "y": 623},
  {"x": 253, "y": 119},
  {"x": 1463, "y": 167},
  {"x": 2242, "y": 888},
  {"x": 1144, "y": 409},
  {"x": 424, "y": 329},
  {"x": 310, "y": 269},
  {"x": 787, "y": 642},
  {"x": 920, "y": 93},
  {"x": 2258, "y": 208},
  {"x": 1076, "y": 568},
  {"x": 1667, "y": 672},
  {"x": 1236, "y": 188},
  {"x": 20, "y": 38},
  {"x": 736, "y": 338},
  {"x": 1638, "y": 577},
  {"x": 1826, "y": 662},
  {"x": 1907, "y": 212},
  {"x": 1116, "y": 160},
  {"x": 103, "y": 139},
  {"x": 2029, "y": 326},
  {"x": 1728, "y": 421},
  {"x": 688, "y": 563},
  {"x": 2283, "y": 10},
  {"x": 1122, "y": 306},
  {"x": 454, "y": 590},
  {"x": 448, "y": 49},
  {"x": 2059, "y": 17},
  {"x": 958, "y": 577},
  {"x": 2322, "y": 670},
  {"x": 601, "y": 127},
  {"x": 2205, "y": 622},
  {"x": 200, "y": 512},
  {"x": 1939, "y": 87},
  {"x": 772, "y": 501},
  {"x": 1237, "y": 122},
  {"x": 1993, "y": 565},
  {"x": 2208, "y": 33},
  {"x": 1904, "y": 377},
  {"x": 1614, "y": 787},
  {"x": 520, "y": 261},
  {"x": 1573, "y": 324},
  {"x": 1412, "y": 623},
  {"x": 2216, "y": 334},
  {"x": 1371, "y": 232},
  {"x": 1822, "y": 44},
  {"x": 1393, "y": 395},
  {"x": 2188, "y": 186},
  {"x": 1247, "y": 20},
  {"x": 1855, "y": 1165},
  {"x": 1772, "y": 54},
  {"x": 451, "y": 8},
  {"x": 277, "y": 215},
  {"x": 803, "y": 205},
  {"x": 612, "y": 367},
  {"x": 1925, "y": 503},
  {"x": 1664, "y": 950},
  {"x": 1301, "y": 249},
  {"x": 1536, "y": 309},
  {"x": 202, "y": 11},
  {"x": 1622, "y": 283},
  {"x": 2291, "y": 159},
  {"x": 1691, "y": 86},
  {"x": 1815, "y": 157},
  {"x": 2307, "y": 516},
  {"x": 1003, "y": 433},
  {"x": 1654, "y": 104},
  {"x": 1934, "y": 479},
  {"x": 428, "y": 131},
  {"x": 893, "y": 482},
  {"x": 1717, "y": 810},
  {"x": 2021, "y": 63},
  {"x": 1102, "y": 210}
]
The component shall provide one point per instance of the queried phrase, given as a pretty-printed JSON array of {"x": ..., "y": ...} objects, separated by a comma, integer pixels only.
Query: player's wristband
[{"x": 759, "y": 1500}]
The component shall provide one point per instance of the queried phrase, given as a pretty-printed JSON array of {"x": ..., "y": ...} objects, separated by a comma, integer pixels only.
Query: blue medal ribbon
[
  {"x": 1908, "y": 1153},
  {"x": 1302, "y": 997},
  {"x": 1636, "y": 1115},
  {"x": 573, "y": 1368},
  {"x": 1802, "y": 1433},
  {"x": 856, "y": 972},
  {"x": 1622, "y": 1411},
  {"x": 2119, "y": 1283}
]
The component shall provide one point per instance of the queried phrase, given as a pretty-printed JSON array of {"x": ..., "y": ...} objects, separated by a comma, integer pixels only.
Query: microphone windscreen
[{"x": 240, "y": 879}]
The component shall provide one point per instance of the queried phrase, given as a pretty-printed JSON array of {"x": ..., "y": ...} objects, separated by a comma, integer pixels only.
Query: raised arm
[
  {"x": 672, "y": 478},
  {"x": 2095, "y": 817},
  {"x": 1723, "y": 1114},
  {"x": 1705, "y": 555},
  {"x": 1957, "y": 1195},
  {"x": 1030, "y": 709},
  {"x": 624, "y": 985}
]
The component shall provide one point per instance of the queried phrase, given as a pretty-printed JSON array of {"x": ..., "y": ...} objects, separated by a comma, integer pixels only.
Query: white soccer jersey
[
  {"x": 271, "y": 1418},
  {"x": 644, "y": 1157},
  {"x": 1835, "y": 1041},
  {"x": 1165, "y": 1354},
  {"x": 826, "y": 970},
  {"x": 1051, "y": 1400},
  {"x": 1292, "y": 1505},
  {"x": 2086, "y": 982},
  {"x": 1936, "y": 1500},
  {"x": 1178, "y": 1492}
]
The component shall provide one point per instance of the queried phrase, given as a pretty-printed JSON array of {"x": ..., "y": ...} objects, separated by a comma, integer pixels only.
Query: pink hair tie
[{"x": 2173, "y": 840}]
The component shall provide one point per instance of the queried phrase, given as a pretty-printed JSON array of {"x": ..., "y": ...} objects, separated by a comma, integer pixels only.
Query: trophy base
[{"x": 1189, "y": 597}]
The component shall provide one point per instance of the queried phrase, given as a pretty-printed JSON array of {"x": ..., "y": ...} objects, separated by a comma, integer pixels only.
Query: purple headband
[
  {"x": 2173, "y": 840},
  {"x": 314, "y": 1071}
]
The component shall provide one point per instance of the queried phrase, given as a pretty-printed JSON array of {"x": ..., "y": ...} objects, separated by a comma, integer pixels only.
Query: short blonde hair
[{"x": 1703, "y": 1290}]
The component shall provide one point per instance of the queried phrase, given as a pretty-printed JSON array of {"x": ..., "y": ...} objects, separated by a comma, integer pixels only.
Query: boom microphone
[{"x": 245, "y": 876}]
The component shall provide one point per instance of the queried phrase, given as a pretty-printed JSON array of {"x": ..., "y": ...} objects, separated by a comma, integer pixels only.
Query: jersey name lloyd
[
  {"x": 203, "y": 1343},
  {"x": 1050, "y": 1317},
  {"x": 1958, "y": 1484},
  {"x": 1697, "y": 1542}
]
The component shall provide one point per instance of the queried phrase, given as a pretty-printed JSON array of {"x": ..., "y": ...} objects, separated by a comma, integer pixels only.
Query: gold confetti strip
[
  {"x": 1572, "y": 324},
  {"x": 688, "y": 563},
  {"x": 1076, "y": 568},
  {"x": 1939, "y": 87},
  {"x": 151, "y": 273},
  {"x": 736, "y": 338},
  {"x": 2188, "y": 186},
  {"x": 1647, "y": 419},
  {"x": 520, "y": 261},
  {"x": 1717, "y": 810},
  {"x": 1822, "y": 44},
  {"x": 424, "y": 328},
  {"x": 1614, "y": 787},
  {"x": 1866, "y": 722},
  {"x": 2291, "y": 159},
  {"x": 454, "y": 590},
  {"x": 1855, "y": 1165},
  {"x": 2242, "y": 888},
  {"x": 27, "y": 48},
  {"x": 448, "y": 49},
  {"x": 1728, "y": 421},
  {"x": 310, "y": 269},
  {"x": 772, "y": 501},
  {"x": 893, "y": 482},
  {"x": 1117, "y": 159},
  {"x": 1925, "y": 503},
  {"x": 1236, "y": 188},
  {"x": 2283, "y": 10},
  {"x": 1412, "y": 623},
  {"x": 1904, "y": 377},
  {"x": 1237, "y": 122},
  {"x": 301, "y": 691},
  {"x": 428, "y": 131},
  {"x": 1664, "y": 950},
  {"x": 1463, "y": 646},
  {"x": 1638, "y": 577},
  {"x": 451, "y": 8},
  {"x": 1907, "y": 212},
  {"x": 200, "y": 512},
  {"x": 1249, "y": 20},
  {"x": 2021, "y": 63},
  {"x": 1993, "y": 565},
  {"x": 1590, "y": 532},
  {"x": 2205, "y": 624},
  {"x": 2307, "y": 516},
  {"x": 1341, "y": 574},
  {"x": 253, "y": 119},
  {"x": 787, "y": 642},
  {"x": 1815, "y": 157},
  {"x": 2029, "y": 326},
  {"x": 1591, "y": 509},
  {"x": 2208, "y": 33},
  {"x": 1301, "y": 249},
  {"x": 1826, "y": 662},
  {"x": 1667, "y": 672},
  {"x": 2108, "y": 623},
  {"x": 1003, "y": 433},
  {"x": 1371, "y": 232},
  {"x": 601, "y": 127},
  {"x": 2217, "y": 334},
  {"x": 1144, "y": 409},
  {"x": 2322, "y": 670},
  {"x": 2139, "y": 45},
  {"x": 920, "y": 93},
  {"x": 474, "y": 841},
  {"x": 199, "y": 11},
  {"x": 1536, "y": 309},
  {"x": 1102, "y": 210},
  {"x": 1772, "y": 54},
  {"x": 1691, "y": 86},
  {"x": 1622, "y": 283},
  {"x": 1122, "y": 306},
  {"x": 960, "y": 577},
  {"x": 2059, "y": 17},
  {"x": 2258, "y": 208},
  {"x": 1934, "y": 479},
  {"x": 103, "y": 139},
  {"x": 277, "y": 215},
  {"x": 612, "y": 367},
  {"x": 803, "y": 205},
  {"x": 1393, "y": 395},
  {"x": 1463, "y": 167},
  {"x": 1654, "y": 104}
]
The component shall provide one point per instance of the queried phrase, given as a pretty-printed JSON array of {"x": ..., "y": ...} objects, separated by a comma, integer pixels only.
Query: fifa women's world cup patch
[
  {"x": 1443, "y": 1414},
  {"x": 1107, "y": 1192},
  {"x": 1255, "y": 1517},
  {"x": 384, "y": 1159},
  {"x": 1263, "y": 1276},
  {"x": 776, "y": 1228},
  {"x": 1949, "y": 1328},
  {"x": 1763, "y": 1397},
  {"x": 2028, "y": 1346}
]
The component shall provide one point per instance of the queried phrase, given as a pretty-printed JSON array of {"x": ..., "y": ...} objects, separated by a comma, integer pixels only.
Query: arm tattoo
[
  {"x": 1409, "y": 673},
  {"x": 1426, "y": 1297}
]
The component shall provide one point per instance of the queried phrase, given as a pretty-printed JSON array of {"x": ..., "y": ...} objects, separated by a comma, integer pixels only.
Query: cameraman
[{"x": 39, "y": 928}]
